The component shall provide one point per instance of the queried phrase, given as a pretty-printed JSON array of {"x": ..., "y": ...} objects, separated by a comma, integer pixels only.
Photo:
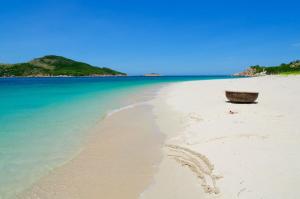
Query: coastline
[
  {"x": 55, "y": 76},
  {"x": 210, "y": 153},
  {"x": 53, "y": 129},
  {"x": 186, "y": 144},
  {"x": 117, "y": 161}
]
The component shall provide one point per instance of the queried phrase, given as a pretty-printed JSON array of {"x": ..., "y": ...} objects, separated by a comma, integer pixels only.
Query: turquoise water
[{"x": 44, "y": 120}]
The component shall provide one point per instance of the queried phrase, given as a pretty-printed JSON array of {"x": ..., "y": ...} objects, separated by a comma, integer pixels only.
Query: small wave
[{"x": 110, "y": 113}]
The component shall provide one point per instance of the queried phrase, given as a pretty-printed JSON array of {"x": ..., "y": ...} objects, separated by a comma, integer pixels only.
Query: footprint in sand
[{"x": 198, "y": 164}]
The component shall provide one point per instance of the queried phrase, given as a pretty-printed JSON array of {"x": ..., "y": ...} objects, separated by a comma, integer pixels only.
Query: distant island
[
  {"x": 151, "y": 75},
  {"x": 283, "y": 69},
  {"x": 52, "y": 65}
]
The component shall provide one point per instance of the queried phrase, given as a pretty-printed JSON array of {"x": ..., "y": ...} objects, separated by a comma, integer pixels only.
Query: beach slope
[
  {"x": 215, "y": 149},
  {"x": 117, "y": 161}
]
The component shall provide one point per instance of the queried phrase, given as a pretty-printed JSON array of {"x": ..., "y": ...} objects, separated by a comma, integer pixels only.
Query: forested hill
[{"x": 52, "y": 65}]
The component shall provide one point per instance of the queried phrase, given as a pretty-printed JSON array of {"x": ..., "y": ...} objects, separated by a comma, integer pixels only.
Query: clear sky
[{"x": 167, "y": 37}]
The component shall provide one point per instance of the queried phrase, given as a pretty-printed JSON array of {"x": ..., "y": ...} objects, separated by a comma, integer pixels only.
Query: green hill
[
  {"x": 290, "y": 68},
  {"x": 52, "y": 65}
]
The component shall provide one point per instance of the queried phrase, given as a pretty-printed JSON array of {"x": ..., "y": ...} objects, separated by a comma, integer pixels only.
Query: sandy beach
[
  {"x": 128, "y": 99},
  {"x": 117, "y": 161},
  {"x": 210, "y": 153},
  {"x": 185, "y": 144}
]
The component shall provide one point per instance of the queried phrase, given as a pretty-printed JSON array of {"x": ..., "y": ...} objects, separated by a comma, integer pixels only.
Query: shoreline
[
  {"x": 187, "y": 144},
  {"x": 102, "y": 154},
  {"x": 2, "y": 77},
  {"x": 117, "y": 160},
  {"x": 57, "y": 76},
  {"x": 61, "y": 146}
]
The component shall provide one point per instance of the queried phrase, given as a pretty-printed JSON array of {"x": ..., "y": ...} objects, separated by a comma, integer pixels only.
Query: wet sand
[{"x": 117, "y": 161}]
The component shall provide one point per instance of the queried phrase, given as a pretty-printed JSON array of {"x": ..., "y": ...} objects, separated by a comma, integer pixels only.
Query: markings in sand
[
  {"x": 191, "y": 118},
  {"x": 198, "y": 164}
]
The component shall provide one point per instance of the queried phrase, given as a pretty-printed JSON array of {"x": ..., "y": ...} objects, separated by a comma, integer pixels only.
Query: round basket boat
[{"x": 241, "y": 97}]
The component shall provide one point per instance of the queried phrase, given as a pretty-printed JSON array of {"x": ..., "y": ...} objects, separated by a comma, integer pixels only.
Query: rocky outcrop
[{"x": 250, "y": 72}]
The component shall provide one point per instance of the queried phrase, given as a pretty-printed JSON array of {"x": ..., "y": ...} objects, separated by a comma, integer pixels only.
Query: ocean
[{"x": 43, "y": 121}]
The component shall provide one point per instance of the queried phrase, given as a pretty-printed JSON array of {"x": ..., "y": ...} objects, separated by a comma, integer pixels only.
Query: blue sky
[{"x": 168, "y": 37}]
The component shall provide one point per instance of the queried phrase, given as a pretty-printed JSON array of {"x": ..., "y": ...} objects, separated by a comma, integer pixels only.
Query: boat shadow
[{"x": 230, "y": 102}]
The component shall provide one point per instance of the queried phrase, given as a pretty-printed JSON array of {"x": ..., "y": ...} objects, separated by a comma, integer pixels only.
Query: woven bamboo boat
[{"x": 241, "y": 97}]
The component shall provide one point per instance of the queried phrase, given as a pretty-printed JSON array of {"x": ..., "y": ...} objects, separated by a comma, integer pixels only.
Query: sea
[{"x": 43, "y": 121}]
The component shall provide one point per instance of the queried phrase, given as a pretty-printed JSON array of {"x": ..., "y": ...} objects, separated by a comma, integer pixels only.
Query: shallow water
[{"x": 44, "y": 120}]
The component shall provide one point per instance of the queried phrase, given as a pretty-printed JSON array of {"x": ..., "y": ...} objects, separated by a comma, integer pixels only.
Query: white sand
[{"x": 252, "y": 154}]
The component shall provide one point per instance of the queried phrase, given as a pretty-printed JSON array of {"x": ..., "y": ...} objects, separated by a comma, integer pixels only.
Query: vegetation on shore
[
  {"x": 52, "y": 65},
  {"x": 283, "y": 69}
]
